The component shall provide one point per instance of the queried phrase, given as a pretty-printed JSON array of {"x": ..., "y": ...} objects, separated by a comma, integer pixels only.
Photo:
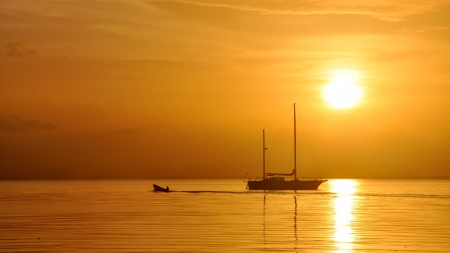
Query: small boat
[
  {"x": 160, "y": 189},
  {"x": 277, "y": 181}
]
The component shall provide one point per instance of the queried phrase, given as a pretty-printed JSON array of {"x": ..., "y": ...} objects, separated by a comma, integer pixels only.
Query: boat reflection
[
  {"x": 264, "y": 221},
  {"x": 295, "y": 223},
  {"x": 343, "y": 213}
]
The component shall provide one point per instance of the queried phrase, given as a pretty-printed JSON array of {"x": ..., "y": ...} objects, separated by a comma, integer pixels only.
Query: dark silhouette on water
[
  {"x": 160, "y": 189},
  {"x": 295, "y": 223},
  {"x": 277, "y": 181}
]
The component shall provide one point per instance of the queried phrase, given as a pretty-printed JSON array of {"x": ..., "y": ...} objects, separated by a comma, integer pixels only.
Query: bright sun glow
[{"x": 343, "y": 92}]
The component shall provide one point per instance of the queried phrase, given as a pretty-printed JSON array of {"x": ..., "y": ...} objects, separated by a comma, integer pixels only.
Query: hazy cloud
[
  {"x": 385, "y": 10},
  {"x": 16, "y": 49},
  {"x": 18, "y": 124},
  {"x": 423, "y": 29}
]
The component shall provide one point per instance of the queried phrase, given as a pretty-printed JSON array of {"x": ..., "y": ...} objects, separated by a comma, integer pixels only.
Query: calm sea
[{"x": 222, "y": 216}]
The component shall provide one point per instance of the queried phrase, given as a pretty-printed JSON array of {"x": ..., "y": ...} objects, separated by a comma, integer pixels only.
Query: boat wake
[
  {"x": 231, "y": 192},
  {"x": 274, "y": 192},
  {"x": 309, "y": 193}
]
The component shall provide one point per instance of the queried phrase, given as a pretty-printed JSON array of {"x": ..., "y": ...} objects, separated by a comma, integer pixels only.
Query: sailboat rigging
[{"x": 277, "y": 181}]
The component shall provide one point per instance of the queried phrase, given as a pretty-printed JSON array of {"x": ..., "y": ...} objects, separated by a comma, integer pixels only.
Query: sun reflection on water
[{"x": 343, "y": 216}]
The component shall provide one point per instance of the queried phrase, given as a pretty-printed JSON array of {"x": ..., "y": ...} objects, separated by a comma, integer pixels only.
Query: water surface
[{"x": 222, "y": 216}]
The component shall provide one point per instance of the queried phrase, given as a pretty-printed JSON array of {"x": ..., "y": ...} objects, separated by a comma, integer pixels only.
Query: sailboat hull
[{"x": 274, "y": 184}]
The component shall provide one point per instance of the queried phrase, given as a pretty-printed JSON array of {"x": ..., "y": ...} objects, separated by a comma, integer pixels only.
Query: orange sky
[{"x": 157, "y": 89}]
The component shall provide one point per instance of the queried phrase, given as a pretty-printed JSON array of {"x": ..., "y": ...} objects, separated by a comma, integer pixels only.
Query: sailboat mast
[
  {"x": 295, "y": 145},
  {"x": 264, "y": 155}
]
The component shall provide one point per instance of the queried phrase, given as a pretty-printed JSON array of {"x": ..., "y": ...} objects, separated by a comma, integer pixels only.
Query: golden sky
[{"x": 183, "y": 89}]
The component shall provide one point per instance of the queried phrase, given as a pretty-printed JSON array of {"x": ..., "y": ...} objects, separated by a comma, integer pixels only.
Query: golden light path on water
[{"x": 343, "y": 213}]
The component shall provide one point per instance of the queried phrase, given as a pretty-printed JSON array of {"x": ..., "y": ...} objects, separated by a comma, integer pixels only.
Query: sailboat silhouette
[{"x": 277, "y": 181}]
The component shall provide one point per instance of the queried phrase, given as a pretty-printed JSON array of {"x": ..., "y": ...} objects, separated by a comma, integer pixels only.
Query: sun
[{"x": 343, "y": 92}]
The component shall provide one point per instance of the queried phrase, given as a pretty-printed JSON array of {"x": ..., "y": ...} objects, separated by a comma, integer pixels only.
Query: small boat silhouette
[{"x": 160, "y": 189}]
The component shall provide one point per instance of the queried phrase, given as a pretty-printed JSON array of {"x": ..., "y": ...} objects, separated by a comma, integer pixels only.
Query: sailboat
[{"x": 277, "y": 181}]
